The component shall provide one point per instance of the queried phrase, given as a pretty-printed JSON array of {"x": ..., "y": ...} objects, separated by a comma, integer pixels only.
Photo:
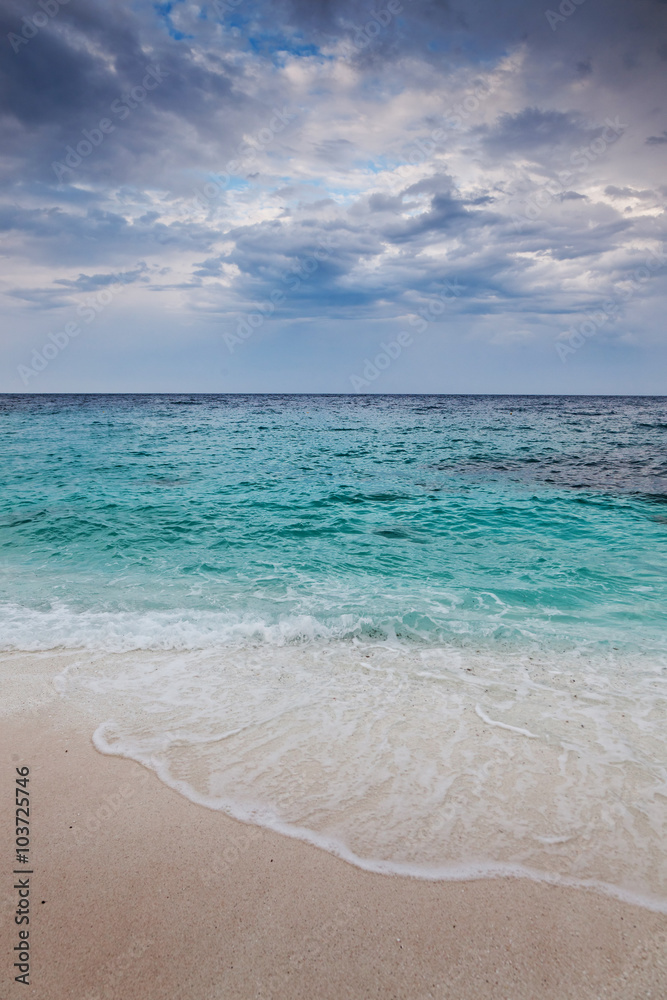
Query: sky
[{"x": 302, "y": 196}]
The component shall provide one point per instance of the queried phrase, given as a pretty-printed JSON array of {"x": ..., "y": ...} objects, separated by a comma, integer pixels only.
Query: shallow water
[{"x": 425, "y": 632}]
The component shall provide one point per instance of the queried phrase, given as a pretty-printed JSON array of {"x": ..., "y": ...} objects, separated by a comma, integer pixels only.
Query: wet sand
[{"x": 139, "y": 894}]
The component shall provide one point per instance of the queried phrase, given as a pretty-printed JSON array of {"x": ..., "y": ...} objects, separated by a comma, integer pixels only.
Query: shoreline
[
  {"x": 469, "y": 872},
  {"x": 165, "y": 898}
]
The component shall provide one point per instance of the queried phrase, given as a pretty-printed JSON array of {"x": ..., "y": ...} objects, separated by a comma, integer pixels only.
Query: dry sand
[{"x": 139, "y": 894}]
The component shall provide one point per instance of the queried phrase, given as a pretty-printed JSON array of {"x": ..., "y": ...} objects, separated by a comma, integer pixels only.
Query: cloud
[
  {"x": 626, "y": 192},
  {"x": 451, "y": 145},
  {"x": 532, "y": 129},
  {"x": 91, "y": 282}
]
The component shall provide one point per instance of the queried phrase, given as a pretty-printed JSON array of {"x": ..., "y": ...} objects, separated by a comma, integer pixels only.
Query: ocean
[{"x": 426, "y": 633}]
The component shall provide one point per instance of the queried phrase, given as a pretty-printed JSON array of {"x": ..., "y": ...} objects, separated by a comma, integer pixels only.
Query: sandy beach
[{"x": 137, "y": 893}]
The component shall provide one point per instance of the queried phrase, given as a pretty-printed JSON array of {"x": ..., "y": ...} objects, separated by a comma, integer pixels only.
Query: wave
[{"x": 122, "y": 631}]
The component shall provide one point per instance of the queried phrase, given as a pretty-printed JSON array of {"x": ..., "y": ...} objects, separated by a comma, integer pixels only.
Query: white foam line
[
  {"x": 504, "y": 725},
  {"x": 462, "y": 872}
]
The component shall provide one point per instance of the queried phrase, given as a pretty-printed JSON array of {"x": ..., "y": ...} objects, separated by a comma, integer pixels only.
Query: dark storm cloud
[
  {"x": 85, "y": 66},
  {"x": 532, "y": 130},
  {"x": 97, "y": 234},
  {"x": 448, "y": 33},
  {"x": 67, "y": 77}
]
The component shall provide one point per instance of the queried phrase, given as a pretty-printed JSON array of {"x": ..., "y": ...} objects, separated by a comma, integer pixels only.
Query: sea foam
[{"x": 385, "y": 756}]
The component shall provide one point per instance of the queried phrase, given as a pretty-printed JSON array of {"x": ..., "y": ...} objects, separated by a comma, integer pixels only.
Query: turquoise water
[{"x": 425, "y": 632}]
